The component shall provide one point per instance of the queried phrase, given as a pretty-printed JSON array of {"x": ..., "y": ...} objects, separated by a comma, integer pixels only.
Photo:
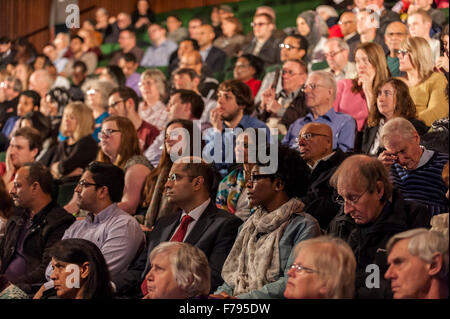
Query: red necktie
[{"x": 181, "y": 232}]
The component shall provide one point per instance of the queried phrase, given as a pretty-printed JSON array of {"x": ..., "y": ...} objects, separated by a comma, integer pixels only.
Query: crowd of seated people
[{"x": 197, "y": 161}]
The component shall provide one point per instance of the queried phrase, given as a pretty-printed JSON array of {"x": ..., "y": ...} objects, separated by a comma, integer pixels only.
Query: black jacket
[
  {"x": 214, "y": 233},
  {"x": 319, "y": 200},
  {"x": 216, "y": 59},
  {"x": 48, "y": 226},
  {"x": 269, "y": 53},
  {"x": 368, "y": 242}
]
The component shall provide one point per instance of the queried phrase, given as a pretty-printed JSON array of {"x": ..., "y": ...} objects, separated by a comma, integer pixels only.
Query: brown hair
[
  {"x": 404, "y": 104},
  {"x": 243, "y": 94},
  {"x": 237, "y": 23},
  {"x": 129, "y": 142},
  {"x": 377, "y": 59}
]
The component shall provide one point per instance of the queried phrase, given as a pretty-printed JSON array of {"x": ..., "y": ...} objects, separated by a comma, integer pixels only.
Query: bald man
[
  {"x": 395, "y": 33},
  {"x": 347, "y": 23},
  {"x": 213, "y": 57},
  {"x": 372, "y": 211},
  {"x": 315, "y": 143}
]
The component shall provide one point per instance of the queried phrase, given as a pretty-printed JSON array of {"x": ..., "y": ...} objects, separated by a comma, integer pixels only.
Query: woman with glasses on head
[
  {"x": 79, "y": 149},
  {"x": 354, "y": 96},
  {"x": 232, "y": 39},
  {"x": 324, "y": 268},
  {"x": 392, "y": 100},
  {"x": 427, "y": 88},
  {"x": 153, "y": 87},
  {"x": 248, "y": 69},
  {"x": 153, "y": 191},
  {"x": 261, "y": 256}
]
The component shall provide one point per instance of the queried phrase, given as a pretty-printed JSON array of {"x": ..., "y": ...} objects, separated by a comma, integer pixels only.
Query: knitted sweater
[{"x": 424, "y": 184}]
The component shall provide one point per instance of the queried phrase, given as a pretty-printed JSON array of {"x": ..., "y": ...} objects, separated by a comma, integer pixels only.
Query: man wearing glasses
[
  {"x": 190, "y": 186},
  {"x": 263, "y": 44},
  {"x": 337, "y": 53},
  {"x": 320, "y": 93},
  {"x": 395, "y": 33},
  {"x": 371, "y": 213}
]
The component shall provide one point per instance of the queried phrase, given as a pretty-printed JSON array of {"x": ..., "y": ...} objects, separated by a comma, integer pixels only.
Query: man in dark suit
[
  {"x": 212, "y": 56},
  {"x": 263, "y": 44},
  {"x": 198, "y": 222}
]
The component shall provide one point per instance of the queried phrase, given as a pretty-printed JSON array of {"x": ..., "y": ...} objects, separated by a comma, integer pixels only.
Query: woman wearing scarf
[
  {"x": 314, "y": 29},
  {"x": 261, "y": 256}
]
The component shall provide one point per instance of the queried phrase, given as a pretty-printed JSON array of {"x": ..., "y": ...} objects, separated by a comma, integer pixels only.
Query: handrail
[{"x": 47, "y": 26}]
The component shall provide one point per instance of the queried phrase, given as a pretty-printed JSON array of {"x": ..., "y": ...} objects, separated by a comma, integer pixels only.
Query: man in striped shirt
[{"x": 415, "y": 170}]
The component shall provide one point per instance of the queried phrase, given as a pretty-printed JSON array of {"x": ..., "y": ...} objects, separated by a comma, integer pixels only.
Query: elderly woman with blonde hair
[
  {"x": 80, "y": 148},
  {"x": 153, "y": 86},
  {"x": 427, "y": 88},
  {"x": 178, "y": 271},
  {"x": 324, "y": 268}
]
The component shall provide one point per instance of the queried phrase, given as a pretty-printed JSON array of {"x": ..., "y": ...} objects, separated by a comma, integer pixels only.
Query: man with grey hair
[
  {"x": 371, "y": 213},
  {"x": 418, "y": 265},
  {"x": 337, "y": 53},
  {"x": 415, "y": 170},
  {"x": 9, "y": 98},
  {"x": 320, "y": 93},
  {"x": 178, "y": 271},
  {"x": 40, "y": 81}
]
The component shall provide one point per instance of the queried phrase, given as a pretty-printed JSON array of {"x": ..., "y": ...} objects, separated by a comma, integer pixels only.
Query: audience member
[
  {"x": 123, "y": 101},
  {"x": 356, "y": 96},
  {"x": 232, "y": 39},
  {"x": 419, "y": 25},
  {"x": 415, "y": 171},
  {"x": 248, "y": 69},
  {"x": 436, "y": 15},
  {"x": 7, "y": 52},
  {"x": 127, "y": 42},
  {"x": 311, "y": 26},
  {"x": 177, "y": 32},
  {"x": 320, "y": 93},
  {"x": 324, "y": 268},
  {"x": 212, "y": 57},
  {"x": 372, "y": 211},
  {"x": 384, "y": 15},
  {"x": 258, "y": 264},
  {"x": 129, "y": 65},
  {"x": 194, "y": 27},
  {"x": 30, "y": 232},
  {"x": 9, "y": 98},
  {"x": 122, "y": 22},
  {"x": 113, "y": 74},
  {"x": 90, "y": 44},
  {"x": 79, "y": 74},
  {"x": 23, "y": 72},
  {"x": 396, "y": 33},
  {"x": 153, "y": 87},
  {"x": 77, "y": 53},
  {"x": 442, "y": 63},
  {"x": 392, "y": 100},
  {"x": 418, "y": 265},
  {"x": 367, "y": 30},
  {"x": 336, "y": 53},
  {"x": 158, "y": 53},
  {"x": 184, "y": 47},
  {"x": 427, "y": 88},
  {"x": 143, "y": 16},
  {"x": 178, "y": 271},
  {"x": 59, "y": 62},
  {"x": 347, "y": 23}
]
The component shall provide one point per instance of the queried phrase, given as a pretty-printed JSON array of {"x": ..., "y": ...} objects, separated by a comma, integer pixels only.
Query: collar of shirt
[
  {"x": 197, "y": 212},
  {"x": 284, "y": 95},
  {"x": 349, "y": 36},
  {"x": 325, "y": 158},
  {"x": 426, "y": 156},
  {"x": 102, "y": 216},
  {"x": 204, "y": 53},
  {"x": 329, "y": 116}
]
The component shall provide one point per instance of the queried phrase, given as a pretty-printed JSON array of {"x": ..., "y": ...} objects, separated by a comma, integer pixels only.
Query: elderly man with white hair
[
  {"x": 320, "y": 93},
  {"x": 418, "y": 265},
  {"x": 415, "y": 170}
]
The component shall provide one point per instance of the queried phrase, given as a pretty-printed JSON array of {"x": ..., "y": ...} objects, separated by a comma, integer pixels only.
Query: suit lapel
[
  {"x": 168, "y": 229},
  {"x": 202, "y": 224}
]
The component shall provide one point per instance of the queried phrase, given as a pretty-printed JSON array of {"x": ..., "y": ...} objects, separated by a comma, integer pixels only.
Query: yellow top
[{"x": 430, "y": 99}]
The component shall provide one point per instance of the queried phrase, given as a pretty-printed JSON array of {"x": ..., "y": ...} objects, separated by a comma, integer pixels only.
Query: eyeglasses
[
  {"x": 333, "y": 54},
  {"x": 402, "y": 52},
  {"x": 287, "y": 46},
  {"x": 298, "y": 269},
  {"x": 113, "y": 105},
  {"x": 289, "y": 72},
  {"x": 256, "y": 177},
  {"x": 312, "y": 86},
  {"x": 83, "y": 184},
  {"x": 253, "y": 24},
  {"x": 107, "y": 132},
  {"x": 353, "y": 201},
  {"x": 345, "y": 22},
  {"x": 91, "y": 91},
  {"x": 398, "y": 34},
  {"x": 308, "y": 136},
  {"x": 176, "y": 177}
]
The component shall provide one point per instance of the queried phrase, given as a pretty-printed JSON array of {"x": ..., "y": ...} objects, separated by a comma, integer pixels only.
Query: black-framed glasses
[
  {"x": 255, "y": 177},
  {"x": 287, "y": 46},
  {"x": 308, "y": 136},
  {"x": 107, "y": 132},
  {"x": 289, "y": 72},
  {"x": 113, "y": 105},
  {"x": 353, "y": 201},
  {"x": 333, "y": 54},
  {"x": 177, "y": 177},
  {"x": 84, "y": 184},
  {"x": 299, "y": 268},
  {"x": 402, "y": 52}
]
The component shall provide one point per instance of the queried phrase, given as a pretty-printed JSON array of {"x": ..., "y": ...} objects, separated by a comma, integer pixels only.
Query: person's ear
[
  {"x": 278, "y": 185},
  {"x": 436, "y": 264},
  {"x": 103, "y": 192},
  {"x": 380, "y": 189},
  {"x": 34, "y": 152},
  {"x": 196, "y": 82},
  {"x": 198, "y": 182},
  {"x": 84, "y": 270}
]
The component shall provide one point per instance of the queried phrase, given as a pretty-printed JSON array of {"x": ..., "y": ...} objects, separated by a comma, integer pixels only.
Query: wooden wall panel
[{"x": 21, "y": 17}]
